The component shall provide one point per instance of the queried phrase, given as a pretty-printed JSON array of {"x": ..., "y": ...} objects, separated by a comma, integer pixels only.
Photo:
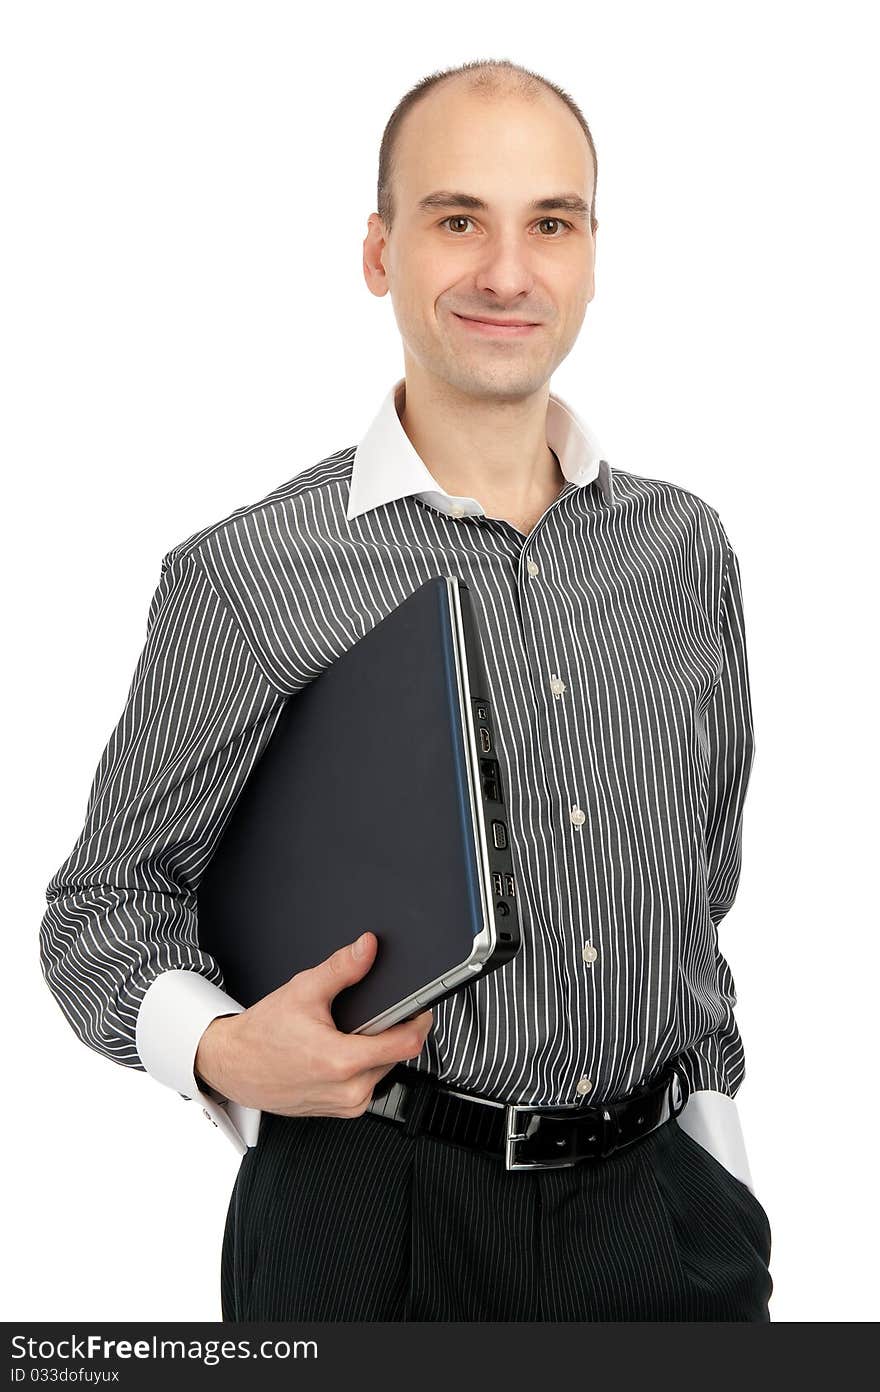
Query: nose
[{"x": 505, "y": 271}]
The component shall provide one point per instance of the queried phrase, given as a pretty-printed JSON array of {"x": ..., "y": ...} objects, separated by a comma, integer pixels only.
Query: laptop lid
[{"x": 375, "y": 805}]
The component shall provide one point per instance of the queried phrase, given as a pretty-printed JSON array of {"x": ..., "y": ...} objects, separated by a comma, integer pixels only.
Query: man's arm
[
  {"x": 714, "y": 1067},
  {"x": 176, "y": 1009},
  {"x": 119, "y": 941},
  {"x": 731, "y": 750}
]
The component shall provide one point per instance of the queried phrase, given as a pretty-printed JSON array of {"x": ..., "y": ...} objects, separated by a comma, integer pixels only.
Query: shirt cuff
[
  {"x": 176, "y": 1009},
  {"x": 712, "y": 1119}
]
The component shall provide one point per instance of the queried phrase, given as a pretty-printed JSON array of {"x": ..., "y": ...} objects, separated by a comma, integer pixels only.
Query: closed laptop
[{"x": 378, "y": 803}]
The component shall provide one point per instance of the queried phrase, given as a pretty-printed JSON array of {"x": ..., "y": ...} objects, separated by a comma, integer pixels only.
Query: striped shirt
[{"x": 616, "y": 663}]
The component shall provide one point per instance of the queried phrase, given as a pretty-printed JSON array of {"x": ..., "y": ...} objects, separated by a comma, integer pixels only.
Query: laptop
[{"x": 378, "y": 803}]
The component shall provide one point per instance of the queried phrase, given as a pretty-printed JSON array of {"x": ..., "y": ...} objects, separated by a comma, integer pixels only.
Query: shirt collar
[{"x": 387, "y": 468}]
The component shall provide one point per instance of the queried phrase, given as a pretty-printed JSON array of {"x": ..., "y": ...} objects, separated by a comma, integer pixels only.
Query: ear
[{"x": 374, "y": 245}]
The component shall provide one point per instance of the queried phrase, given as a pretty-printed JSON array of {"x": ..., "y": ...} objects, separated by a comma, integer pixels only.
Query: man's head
[{"x": 507, "y": 145}]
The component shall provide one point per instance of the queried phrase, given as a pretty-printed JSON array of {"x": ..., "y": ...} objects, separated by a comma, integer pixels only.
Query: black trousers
[{"x": 337, "y": 1218}]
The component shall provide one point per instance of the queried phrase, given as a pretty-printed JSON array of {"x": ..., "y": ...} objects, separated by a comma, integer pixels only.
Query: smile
[{"x": 496, "y": 330}]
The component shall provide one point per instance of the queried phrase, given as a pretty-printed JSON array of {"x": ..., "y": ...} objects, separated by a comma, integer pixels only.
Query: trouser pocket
[
  {"x": 721, "y": 1230},
  {"x": 727, "y": 1177}
]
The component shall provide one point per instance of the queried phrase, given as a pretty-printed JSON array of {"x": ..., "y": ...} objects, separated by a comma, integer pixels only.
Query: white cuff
[
  {"x": 176, "y": 1009},
  {"x": 712, "y": 1119}
]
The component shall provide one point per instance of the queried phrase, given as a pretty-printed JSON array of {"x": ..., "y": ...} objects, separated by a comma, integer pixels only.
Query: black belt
[{"x": 525, "y": 1137}]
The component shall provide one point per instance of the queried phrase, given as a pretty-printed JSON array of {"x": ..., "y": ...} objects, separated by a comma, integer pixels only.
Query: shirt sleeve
[
  {"x": 119, "y": 942},
  {"x": 731, "y": 750},
  {"x": 717, "y": 1062}
]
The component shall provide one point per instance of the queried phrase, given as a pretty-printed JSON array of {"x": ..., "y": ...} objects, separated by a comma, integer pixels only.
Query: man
[{"x": 387, "y": 1177}]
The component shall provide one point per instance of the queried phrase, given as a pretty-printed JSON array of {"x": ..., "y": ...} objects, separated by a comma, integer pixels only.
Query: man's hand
[{"x": 286, "y": 1055}]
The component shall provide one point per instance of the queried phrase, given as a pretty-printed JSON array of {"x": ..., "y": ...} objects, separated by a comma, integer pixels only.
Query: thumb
[{"x": 343, "y": 967}]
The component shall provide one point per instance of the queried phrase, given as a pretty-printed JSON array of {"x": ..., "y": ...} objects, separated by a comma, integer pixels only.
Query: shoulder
[
  {"x": 669, "y": 501},
  {"x": 273, "y": 510}
]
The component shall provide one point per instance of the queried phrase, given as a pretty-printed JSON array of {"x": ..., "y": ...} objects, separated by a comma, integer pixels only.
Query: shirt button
[
  {"x": 557, "y": 685},
  {"x": 584, "y": 1085},
  {"x": 531, "y": 567},
  {"x": 457, "y": 510},
  {"x": 577, "y": 816},
  {"x": 590, "y": 953}
]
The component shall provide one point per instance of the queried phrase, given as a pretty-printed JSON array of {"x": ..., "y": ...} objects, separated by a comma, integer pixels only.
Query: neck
[{"x": 492, "y": 449}]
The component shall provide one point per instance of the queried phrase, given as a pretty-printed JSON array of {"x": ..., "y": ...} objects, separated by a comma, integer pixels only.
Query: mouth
[{"x": 496, "y": 328}]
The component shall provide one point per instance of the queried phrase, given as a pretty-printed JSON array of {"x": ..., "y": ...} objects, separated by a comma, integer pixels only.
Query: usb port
[
  {"x": 485, "y": 740},
  {"x": 496, "y": 881},
  {"x": 499, "y": 835},
  {"x": 509, "y": 887},
  {"x": 482, "y": 712}
]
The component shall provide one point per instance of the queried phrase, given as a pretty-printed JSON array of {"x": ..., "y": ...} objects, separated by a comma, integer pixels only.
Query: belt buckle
[
  {"x": 512, "y": 1135},
  {"x": 611, "y": 1130}
]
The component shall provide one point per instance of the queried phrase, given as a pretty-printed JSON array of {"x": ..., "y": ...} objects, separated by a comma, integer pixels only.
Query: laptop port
[
  {"x": 496, "y": 881},
  {"x": 509, "y": 887},
  {"x": 502, "y": 908},
  {"x": 485, "y": 740},
  {"x": 499, "y": 835},
  {"x": 491, "y": 779},
  {"x": 482, "y": 711}
]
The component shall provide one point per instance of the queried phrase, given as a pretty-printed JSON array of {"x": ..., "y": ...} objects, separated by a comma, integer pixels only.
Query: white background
[{"x": 185, "y": 325}]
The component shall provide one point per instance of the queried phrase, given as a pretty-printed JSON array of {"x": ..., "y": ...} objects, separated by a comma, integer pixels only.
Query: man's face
[{"x": 506, "y": 260}]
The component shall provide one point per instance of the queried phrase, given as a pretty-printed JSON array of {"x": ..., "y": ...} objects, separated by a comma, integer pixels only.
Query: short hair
[{"x": 490, "y": 76}]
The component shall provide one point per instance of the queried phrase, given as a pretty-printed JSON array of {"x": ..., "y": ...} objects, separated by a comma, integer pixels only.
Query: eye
[
  {"x": 455, "y": 217},
  {"x": 559, "y": 222}
]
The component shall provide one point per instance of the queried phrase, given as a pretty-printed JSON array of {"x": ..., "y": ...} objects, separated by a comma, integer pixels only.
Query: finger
[
  {"x": 342, "y": 968},
  {"x": 393, "y": 1045}
]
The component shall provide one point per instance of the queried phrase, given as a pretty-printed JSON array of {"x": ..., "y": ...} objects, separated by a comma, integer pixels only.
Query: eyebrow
[{"x": 444, "y": 198}]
